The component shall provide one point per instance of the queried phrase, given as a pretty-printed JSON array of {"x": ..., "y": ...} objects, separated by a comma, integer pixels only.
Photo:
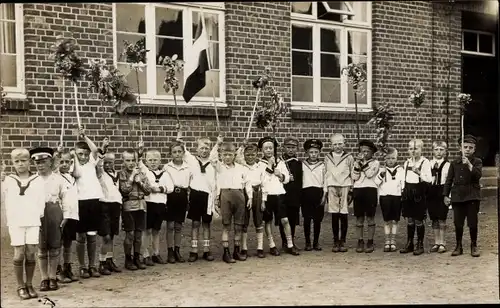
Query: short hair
[
  {"x": 204, "y": 140},
  {"x": 153, "y": 152},
  {"x": 228, "y": 147},
  {"x": 391, "y": 151},
  {"x": 20, "y": 152},
  {"x": 176, "y": 144},
  {"x": 439, "y": 144},
  {"x": 251, "y": 148},
  {"x": 337, "y": 136},
  {"x": 65, "y": 151},
  {"x": 129, "y": 152},
  {"x": 417, "y": 142},
  {"x": 109, "y": 156},
  {"x": 82, "y": 145}
]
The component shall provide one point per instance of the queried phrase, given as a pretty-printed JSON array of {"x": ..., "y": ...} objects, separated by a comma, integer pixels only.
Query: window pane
[
  {"x": 302, "y": 63},
  {"x": 214, "y": 55},
  {"x": 360, "y": 10},
  {"x": 485, "y": 43},
  {"x": 169, "y": 47},
  {"x": 335, "y": 5},
  {"x": 361, "y": 98},
  {"x": 302, "y": 89},
  {"x": 131, "y": 77},
  {"x": 168, "y": 22},
  {"x": 8, "y": 37},
  {"x": 8, "y": 73},
  {"x": 301, "y": 37},
  {"x": 130, "y": 18},
  {"x": 470, "y": 41},
  {"x": 330, "y": 40},
  {"x": 330, "y": 91},
  {"x": 324, "y": 15},
  {"x": 120, "y": 44},
  {"x": 7, "y": 11},
  {"x": 330, "y": 65},
  {"x": 302, "y": 7},
  {"x": 160, "y": 77},
  {"x": 211, "y": 22},
  {"x": 357, "y": 42}
]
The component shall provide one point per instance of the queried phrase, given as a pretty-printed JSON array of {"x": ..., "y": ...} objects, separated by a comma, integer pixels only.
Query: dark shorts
[
  {"x": 69, "y": 230},
  {"x": 365, "y": 201},
  {"x": 110, "y": 219},
  {"x": 413, "y": 201},
  {"x": 155, "y": 213},
  {"x": 198, "y": 205},
  {"x": 50, "y": 230},
  {"x": 134, "y": 220},
  {"x": 89, "y": 215},
  {"x": 391, "y": 207},
  {"x": 255, "y": 211},
  {"x": 311, "y": 203},
  {"x": 232, "y": 206},
  {"x": 275, "y": 207},
  {"x": 435, "y": 203},
  {"x": 177, "y": 203}
]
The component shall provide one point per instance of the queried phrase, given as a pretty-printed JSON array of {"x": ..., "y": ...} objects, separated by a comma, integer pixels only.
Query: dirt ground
[{"x": 313, "y": 278}]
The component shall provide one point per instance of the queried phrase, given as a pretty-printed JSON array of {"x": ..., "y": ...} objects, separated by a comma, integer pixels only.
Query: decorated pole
[
  {"x": 2, "y": 107},
  {"x": 417, "y": 99},
  {"x": 382, "y": 117},
  {"x": 259, "y": 84},
  {"x": 463, "y": 99},
  {"x": 63, "y": 111},
  {"x": 356, "y": 75},
  {"x": 172, "y": 66}
]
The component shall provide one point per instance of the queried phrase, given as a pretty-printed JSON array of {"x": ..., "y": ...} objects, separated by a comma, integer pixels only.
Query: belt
[
  {"x": 237, "y": 189},
  {"x": 179, "y": 189}
]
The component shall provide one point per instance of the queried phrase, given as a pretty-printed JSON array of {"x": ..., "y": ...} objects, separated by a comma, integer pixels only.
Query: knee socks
[
  {"x": 137, "y": 241},
  {"x": 307, "y": 230},
  {"x": 343, "y": 226},
  {"x": 67, "y": 252},
  {"x": 80, "y": 249},
  {"x": 269, "y": 234},
  {"x": 206, "y": 237},
  {"x": 317, "y": 231},
  {"x": 44, "y": 264},
  {"x": 288, "y": 232},
  {"x": 171, "y": 234},
  {"x": 335, "y": 226},
  {"x": 244, "y": 240},
  {"x": 473, "y": 235},
  {"x": 177, "y": 234},
  {"x": 19, "y": 271},
  {"x": 127, "y": 243},
  {"x": 91, "y": 249},
  {"x": 260, "y": 238},
  {"x": 53, "y": 262},
  {"x": 30, "y": 265},
  {"x": 195, "y": 228},
  {"x": 387, "y": 232},
  {"x": 146, "y": 243},
  {"x": 282, "y": 233},
  {"x": 155, "y": 242},
  {"x": 225, "y": 237}
]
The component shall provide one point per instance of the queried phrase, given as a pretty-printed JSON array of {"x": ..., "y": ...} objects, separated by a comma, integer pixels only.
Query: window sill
[
  {"x": 186, "y": 110},
  {"x": 16, "y": 102},
  {"x": 331, "y": 114}
]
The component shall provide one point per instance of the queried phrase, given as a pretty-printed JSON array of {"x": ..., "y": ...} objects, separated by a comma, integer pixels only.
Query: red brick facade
[{"x": 409, "y": 42}]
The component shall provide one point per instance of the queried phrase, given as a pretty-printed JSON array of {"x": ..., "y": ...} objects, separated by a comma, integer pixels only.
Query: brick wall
[{"x": 409, "y": 48}]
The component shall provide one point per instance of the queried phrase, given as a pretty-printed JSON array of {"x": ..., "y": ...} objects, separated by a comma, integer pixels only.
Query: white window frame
[
  {"x": 477, "y": 52},
  {"x": 151, "y": 96},
  {"x": 347, "y": 25},
  {"x": 18, "y": 92}
]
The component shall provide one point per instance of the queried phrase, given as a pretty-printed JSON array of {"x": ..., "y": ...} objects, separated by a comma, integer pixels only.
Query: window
[
  {"x": 169, "y": 29},
  {"x": 12, "y": 49},
  {"x": 327, "y": 36},
  {"x": 478, "y": 43}
]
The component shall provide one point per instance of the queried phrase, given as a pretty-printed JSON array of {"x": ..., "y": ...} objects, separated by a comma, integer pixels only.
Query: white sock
[
  {"x": 206, "y": 245},
  {"x": 387, "y": 232},
  {"x": 102, "y": 257},
  {"x": 269, "y": 234},
  {"x": 109, "y": 255},
  {"x": 244, "y": 239},
  {"x": 260, "y": 241}
]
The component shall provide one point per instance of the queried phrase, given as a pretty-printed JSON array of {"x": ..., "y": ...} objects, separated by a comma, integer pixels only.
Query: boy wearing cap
[
  {"x": 232, "y": 182},
  {"x": 338, "y": 183},
  {"x": 89, "y": 206},
  {"x": 313, "y": 195},
  {"x": 418, "y": 175},
  {"x": 273, "y": 199},
  {"x": 438, "y": 211},
  {"x": 462, "y": 183},
  {"x": 365, "y": 193},
  {"x": 57, "y": 211},
  {"x": 293, "y": 188},
  {"x": 21, "y": 196}
]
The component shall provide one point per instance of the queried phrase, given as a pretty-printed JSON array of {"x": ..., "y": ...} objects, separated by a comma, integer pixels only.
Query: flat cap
[
  {"x": 291, "y": 141},
  {"x": 267, "y": 139},
  {"x": 368, "y": 143},
  {"x": 40, "y": 153},
  {"x": 313, "y": 143}
]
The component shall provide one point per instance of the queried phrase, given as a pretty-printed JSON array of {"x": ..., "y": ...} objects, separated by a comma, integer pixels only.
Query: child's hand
[
  {"x": 271, "y": 161},
  {"x": 59, "y": 148},
  {"x": 245, "y": 142},
  {"x": 220, "y": 140},
  {"x": 323, "y": 199},
  {"x": 73, "y": 153},
  {"x": 63, "y": 223},
  {"x": 359, "y": 157},
  {"x": 178, "y": 127},
  {"x": 447, "y": 201},
  {"x": 249, "y": 204},
  {"x": 81, "y": 131},
  {"x": 382, "y": 172},
  {"x": 277, "y": 172},
  {"x": 105, "y": 144},
  {"x": 179, "y": 135},
  {"x": 415, "y": 169},
  {"x": 263, "y": 206}
]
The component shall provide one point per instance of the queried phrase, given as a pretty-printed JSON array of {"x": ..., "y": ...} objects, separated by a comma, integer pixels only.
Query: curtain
[{"x": 7, "y": 28}]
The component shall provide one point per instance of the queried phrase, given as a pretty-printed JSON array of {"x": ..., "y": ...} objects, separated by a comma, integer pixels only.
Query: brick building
[{"x": 437, "y": 45}]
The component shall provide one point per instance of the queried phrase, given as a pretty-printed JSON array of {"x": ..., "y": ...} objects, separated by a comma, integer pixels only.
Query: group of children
[{"x": 84, "y": 197}]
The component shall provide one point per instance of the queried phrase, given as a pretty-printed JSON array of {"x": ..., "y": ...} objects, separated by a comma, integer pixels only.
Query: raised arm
[
  {"x": 77, "y": 168},
  {"x": 240, "y": 155},
  {"x": 93, "y": 148},
  {"x": 371, "y": 169}
]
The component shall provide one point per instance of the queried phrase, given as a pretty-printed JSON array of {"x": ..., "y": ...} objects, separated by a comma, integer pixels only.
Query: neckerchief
[
  {"x": 342, "y": 157},
  {"x": 114, "y": 178},
  {"x": 157, "y": 176},
  {"x": 436, "y": 172},
  {"x": 63, "y": 175},
  {"x": 312, "y": 166},
  {"x": 203, "y": 167},
  {"x": 393, "y": 172},
  {"x": 22, "y": 189}
]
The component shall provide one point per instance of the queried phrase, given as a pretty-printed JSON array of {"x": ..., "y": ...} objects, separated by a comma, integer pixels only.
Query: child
[
  {"x": 58, "y": 209},
  {"x": 247, "y": 156},
  {"x": 156, "y": 203},
  {"x": 293, "y": 188},
  {"x": 338, "y": 182},
  {"x": 438, "y": 211},
  {"x": 64, "y": 160},
  {"x": 89, "y": 206},
  {"x": 22, "y": 196},
  {"x": 463, "y": 184},
  {"x": 273, "y": 203},
  {"x": 201, "y": 196},
  {"x": 390, "y": 181},
  {"x": 112, "y": 208},
  {"x": 231, "y": 184},
  {"x": 417, "y": 172},
  {"x": 365, "y": 193},
  {"x": 177, "y": 200},
  {"x": 134, "y": 186},
  {"x": 313, "y": 195}
]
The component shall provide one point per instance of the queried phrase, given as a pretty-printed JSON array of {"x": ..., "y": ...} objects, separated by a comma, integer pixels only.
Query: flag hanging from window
[{"x": 196, "y": 63}]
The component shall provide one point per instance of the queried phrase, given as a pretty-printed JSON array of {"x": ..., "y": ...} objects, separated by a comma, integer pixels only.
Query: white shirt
[
  {"x": 338, "y": 169},
  {"x": 271, "y": 184},
  {"x": 88, "y": 184},
  {"x": 313, "y": 175},
  {"x": 425, "y": 171},
  {"x": 444, "y": 170},
  {"x": 26, "y": 210},
  {"x": 57, "y": 190},
  {"x": 110, "y": 187},
  {"x": 366, "y": 177},
  {"x": 157, "y": 178},
  {"x": 72, "y": 195},
  {"x": 392, "y": 183},
  {"x": 181, "y": 175},
  {"x": 205, "y": 182},
  {"x": 255, "y": 172}
]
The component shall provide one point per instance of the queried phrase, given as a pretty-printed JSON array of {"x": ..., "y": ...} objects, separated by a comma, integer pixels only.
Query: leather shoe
[
  {"x": 44, "y": 285},
  {"x": 31, "y": 292},
  {"x": 22, "y": 292},
  {"x": 53, "y": 285}
]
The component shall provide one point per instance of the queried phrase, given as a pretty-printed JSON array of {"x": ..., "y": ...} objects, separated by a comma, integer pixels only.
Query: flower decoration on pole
[
  {"x": 260, "y": 84},
  {"x": 463, "y": 99},
  {"x": 382, "y": 117},
  {"x": 2, "y": 98},
  {"x": 356, "y": 75},
  {"x": 269, "y": 113},
  {"x": 417, "y": 98},
  {"x": 135, "y": 55},
  {"x": 172, "y": 66}
]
